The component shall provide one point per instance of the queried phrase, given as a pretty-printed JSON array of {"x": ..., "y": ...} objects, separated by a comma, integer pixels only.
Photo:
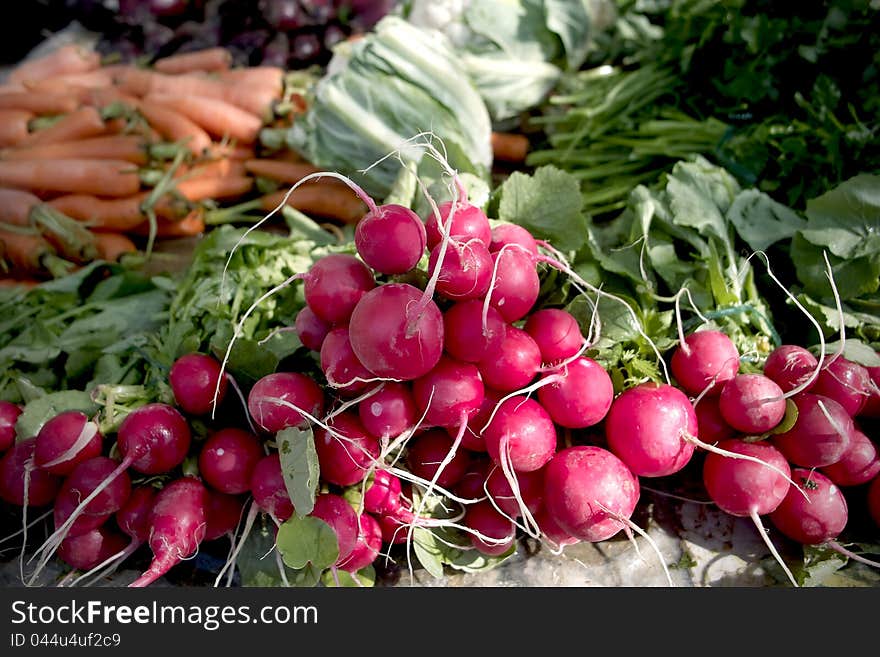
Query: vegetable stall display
[{"x": 474, "y": 362}]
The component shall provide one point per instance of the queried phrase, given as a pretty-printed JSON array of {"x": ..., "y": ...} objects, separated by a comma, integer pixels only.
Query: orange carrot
[
  {"x": 67, "y": 59},
  {"x": 104, "y": 96},
  {"x": 322, "y": 199},
  {"x": 191, "y": 225},
  {"x": 64, "y": 83},
  {"x": 100, "y": 177},
  {"x": 38, "y": 103},
  {"x": 120, "y": 214},
  {"x": 266, "y": 77},
  {"x": 174, "y": 126},
  {"x": 252, "y": 99},
  {"x": 231, "y": 152},
  {"x": 112, "y": 246},
  {"x": 25, "y": 252},
  {"x": 209, "y": 59},
  {"x": 82, "y": 123},
  {"x": 509, "y": 147},
  {"x": 130, "y": 148},
  {"x": 23, "y": 283},
  {"x": 14, "y": 126},
  {"x": 223, "y": 168},
  {"x": 219, "y": 187},
  {"x": 280, "y": 170},
  {"x": 218, "y": 117},
  {"x": 16, "y": 206}
]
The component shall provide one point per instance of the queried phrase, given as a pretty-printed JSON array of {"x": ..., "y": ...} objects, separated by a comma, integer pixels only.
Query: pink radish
[
  {"x": 790, "y": 366},
  {"x": 392, "y": 337},
  {"x": 821, "y": 434},
  {"x": 580, "y": 394},
  {"x": 846, "y": 382},
  {"x": 511, "y": 363},
  {"x": 465, "y": 271},
  {"x": 177, "y": 526},
  {"x": 153, "y": 439},
  {"x": 449, "y": 394},
  {"x": 711, "y": 425},
  {"x": 515, "y": 285},
  {"x": 269, "y": 490},
  {"x": 521, "y": 436},
  {"x": 497, "y": 532},
  {"x": 589, "y": 492},
  {"x": 65, "y": 441},
  {"x": 391, "y": 239},
  {"x": 858, "y": 465},
  {"x": 382, "y": 493},
  {"x": 472, "y": 485},
  {"x": 389, "y": 412},
  {"x": 227, "y": 460},
  {"x": 335, "y": 284},
  {"x": 552, "y": 532},
  {"x": 504, "y": 234},
  {"x": 194, "y": 378},
  {"x": 341, "y": 517},
  {"x": 310, "y": 328},
  {"x": 342, "y": 368},
  {"x": 706, "y": 360},
  {"x": 818, "y": 519},
  {"x": 9, "y": 413},
  {"x": 472, "y": 439},
  {"x": 556, "y": 332},
  {"x": 651, "y": 427},
  {"x": 752, "y": 403},
  {"x": 426, "y": 453},
  {"x": 464, "y": 223},
  {"x": 531, "y": 490},
  {"x": 20, "y": 482},
  {"x": 466, "y": 336},
  {"x": 872, "y": 405},
  {"x": 346, "y": 453},
  {"x": 88, "y": 550},
  {"x": 277, "y": 401},
  {"x": 366, "y": 549},
  {"x": 222, "y": 515}
]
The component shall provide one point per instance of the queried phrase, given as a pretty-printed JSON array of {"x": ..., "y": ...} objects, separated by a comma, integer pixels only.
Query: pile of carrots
[{"x": 98, "y": 160}]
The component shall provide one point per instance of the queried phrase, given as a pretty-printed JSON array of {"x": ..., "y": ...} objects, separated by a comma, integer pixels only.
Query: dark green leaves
[{"x": 299, "y": 467}]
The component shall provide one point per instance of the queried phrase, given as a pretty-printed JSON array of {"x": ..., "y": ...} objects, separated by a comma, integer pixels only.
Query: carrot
[
  {"x": 16, "y": 206},
  {"x": 97, "y": 79},
  {"x": 23, "y": 283},
  {"x": 130, "y": 148},
  {"x": 38, "y": 103},
  {"x": 70, "y": 238},
  {"x": 174, "y": 126},
  {"x": 191, "y": 225},
  {"x": 82, "y": 123},
  {"x": 14, "y": 126},
  {"x": 120, "y": 214},
  {"x": 27, "y": 253},
  {"x": 218, "y": 117},
  {"x": 509, "y": 147},
  {"x": 100, "y": 177},
  {"x": 223, "y": 168},
  {"x": 204, "y": 188},
  {"x": 280, "y": 170},
  {"x": 67, "y": 59},
  {"x": 112, "y": 246},
  {"x": 252, "y": 99},
  {"x": 231, "y": 152},
  {"x": 209, "y": 59},
  {"x": 104, "y": 96},
  {"x": 265, "y": 77},
  {"x": 331, "y": 201}
]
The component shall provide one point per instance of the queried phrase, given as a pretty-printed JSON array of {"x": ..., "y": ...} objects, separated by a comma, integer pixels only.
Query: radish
[
  {"x": 521, "y": 436},
  {"x": 88, "y": 550},
  {"x": 504, "y": 234},
  {"x": 752, "y": 403},
  {"x": 66, "y": 502},
  {"x": 88, "y": 477},
  {"x": 194, "y": 380},
  {"x": 449, "y": 394},
  {"x": 467, "y": 334},
  {"x": 472, "y": 485},
  {"x": 310, "y": 329},
  {"x": 465, "y": 223},
  {"x": 65, "y": 441},
  {"x": 426, "y": 454},
  {"x": 222, "y": 515},
  {"x": 859, "y": 464},
  {"x": 589, "y": 492},
  {"x": 515, "y": 285},
  {"x": 552, "y": 532},
  {"x": 818, "y": 519},
  {"x": 367, "y": 546},
  {"x": 846, "y": 382},
  {"x": 343, "y": 520},
  {"x": 389, "y": 412},
  {"x": 711, "y": 427},
  {"x": 341, "y": 367},
  {"x": 227, "y": 460},
  {"x": 705, "y": 361},
  {"x": 394, "y": 334},
  {"x": 791, "y": 366},
  {"x": 9, "y": 413},
  {"x": 578, "y": 394},
  {"x": 465, "y": 270},
  {"x": 394, "y": 525},
  {"x": 177, "y": 526},
  {"x": 494, "y": 534},
  {"x": 511, "y": 363},
  {"x": 821, "y": 434},
  {"x": 153, "y": 439},
  {"x": 279, "y": 400},
  {"x": 346, "y": 453},
  {"x": 472, "y": 439},
  {"x": 382, "y": 493},
  {"x": 391, "y": 239},
  {"x": 651, "y": 427},
  {"x": 335, "y": 284},
  {"x": 20, "y": 482},
  {"x": 744, "y": 488},
  {"x": 269, "y": 490},
  {"x": 556, "y": 332},
  {"x": 530, "y": 486},
  {"x": 870, "y": 409}
]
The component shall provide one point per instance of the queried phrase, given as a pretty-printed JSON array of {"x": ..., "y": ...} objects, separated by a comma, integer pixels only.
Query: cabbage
[
  {"x": 514, "y": 50},
  {"x": 394, "y": 83}
]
